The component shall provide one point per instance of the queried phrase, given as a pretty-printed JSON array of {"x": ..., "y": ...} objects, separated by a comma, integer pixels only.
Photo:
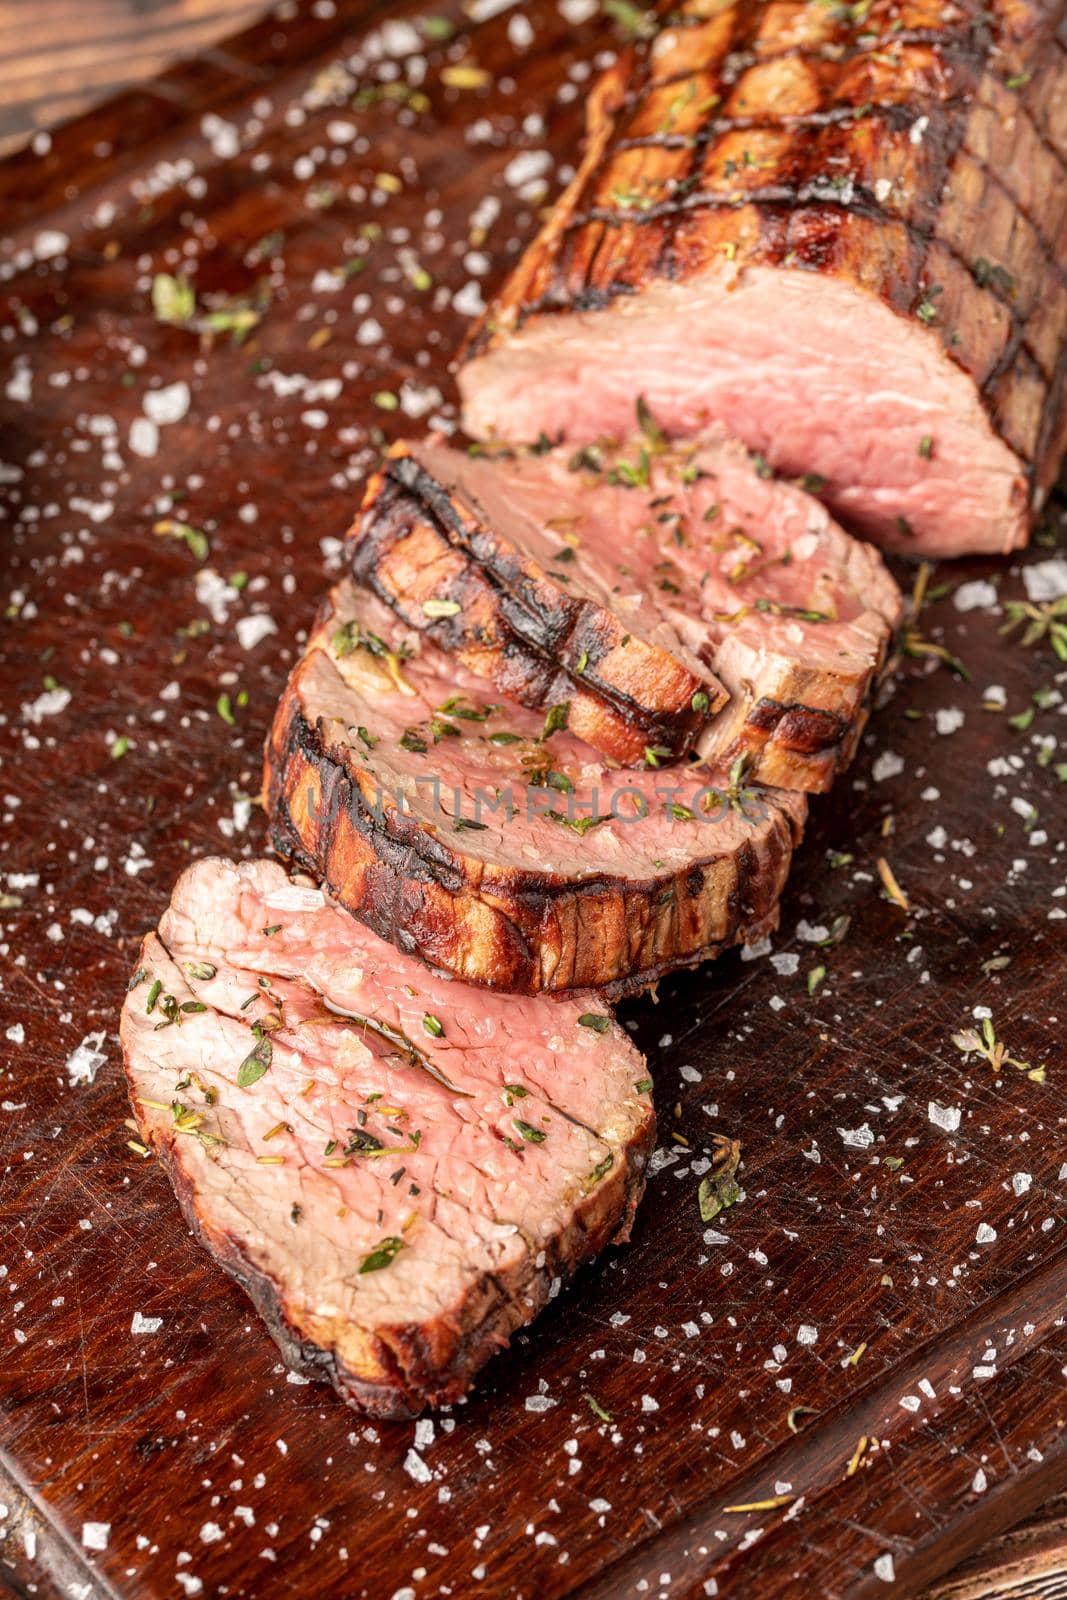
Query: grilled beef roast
[
  {"x": 544, "y": 571},
  {"x": 484, "y": 559},
  {"x": 842, "y": 231},
  {"x": 395, "y": 1166},
  {"x": 494, "y": 843}
]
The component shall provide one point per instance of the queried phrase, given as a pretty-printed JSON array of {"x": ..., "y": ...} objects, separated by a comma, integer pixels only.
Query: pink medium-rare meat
[
  {"x": 396, "y": 1167},
  {"x": 840, "y": 231},
  {"x": 457, "y": 548},
  {"x": 488, "y": 839},
  {"x": 687, "y": 552}
]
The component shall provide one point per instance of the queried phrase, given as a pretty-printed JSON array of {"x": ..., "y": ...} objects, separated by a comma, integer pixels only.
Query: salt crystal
[
  {"x": 254, "y": 629},
  {"x": 1046, "y": 580},
  {"x": 85, "y": 1061},
  {"x": 416, "y": 1468},
  {"x": 888, "y": 765},
  {"x": 170, "y": 404}
]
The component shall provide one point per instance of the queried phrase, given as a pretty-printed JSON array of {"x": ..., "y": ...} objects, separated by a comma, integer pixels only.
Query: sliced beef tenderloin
[
  {"x": 484, "y": 563},
  {"x": 841, "y": 231},
  {"x": 396, "y": 1167},
  {"x": 491, "y": 841},
  {"x": 693, "y": 547}
]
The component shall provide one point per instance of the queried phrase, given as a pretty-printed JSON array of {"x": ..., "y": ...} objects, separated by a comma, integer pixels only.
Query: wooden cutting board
[{"x": 867, "y": 1351}]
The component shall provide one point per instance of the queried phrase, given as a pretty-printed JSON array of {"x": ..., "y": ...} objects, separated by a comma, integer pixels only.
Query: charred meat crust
[
  {"x": 415, "y": 543},
  {"x": 796, "y": 725},
  {"x": 511, "y": 928},
  {"x": 717, "y": 132},
  {"x": 791, "y": 744},
  {"x": 414, "y": 1365}
]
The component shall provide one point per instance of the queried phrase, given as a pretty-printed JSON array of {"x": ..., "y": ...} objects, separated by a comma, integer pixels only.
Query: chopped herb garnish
[
  {"x": 173, "y": 299},
  {"x": 700, "y": 701},
  {"x": 890, "y": 884},
  {"x": 255, "y": 1064},
  {"x": 382, "y": 1255},
  {"x": 530, "y": 1134},
  {"x": 594, "y": 1020},
  {"x": 601, "y": 1170},
  {"x": 433, "y": 1026},
  {"x": 719, "y": 1189},
  {"x": 361, "y": 1143},
  {"x": 200, "y": 969},
  {"x": 578, "y": 825},
  {"x": 1047, "y": 620},
  {"x": 926, "y": 310},
  {"x": 986, "y": 274},
  {"x": 556, "y": 719},
  {"x": 983, "y": 1041},
  {"x": 153, "y": 995},
  {"x": 648, "y": 425},
  {"x": 194, "y": 540}
]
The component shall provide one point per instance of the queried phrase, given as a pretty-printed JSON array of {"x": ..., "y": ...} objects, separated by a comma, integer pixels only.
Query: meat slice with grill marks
[
  {"x": 396, "y": 1167},
  {"x": 841, "y": 231},
  {"x": 480, "y": 554},
  {"x": 491, "y": 841},
  {"x": 670, "y": 557}
]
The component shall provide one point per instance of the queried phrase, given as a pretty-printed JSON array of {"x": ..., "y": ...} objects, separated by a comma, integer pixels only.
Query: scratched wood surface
[
  {"x": 59, "y": 56},
  {"x": 872, "y": 1338}
]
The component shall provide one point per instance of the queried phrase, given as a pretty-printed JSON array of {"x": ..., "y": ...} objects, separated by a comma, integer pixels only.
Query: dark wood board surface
[
  {"x": 58, "y": 57},
  {"x": 915, "y": 1302}
]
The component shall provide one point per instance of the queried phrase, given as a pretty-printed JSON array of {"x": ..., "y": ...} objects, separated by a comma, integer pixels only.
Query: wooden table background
[{"x": 56, "y": 58}]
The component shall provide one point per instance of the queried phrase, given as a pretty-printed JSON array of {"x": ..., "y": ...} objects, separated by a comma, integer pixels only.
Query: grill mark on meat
[
  {"x": 501, "y": 922},
  {"x": 819, "y": 190},
  {"x": 743, "y": 21},
  {"x": 863, "y": 204},
  {"x": 953, "y": 74},
  {"x": 514, "y": 622},
  {"x": 899, "y": 116},
  {"x": 812, "y": 628}
]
